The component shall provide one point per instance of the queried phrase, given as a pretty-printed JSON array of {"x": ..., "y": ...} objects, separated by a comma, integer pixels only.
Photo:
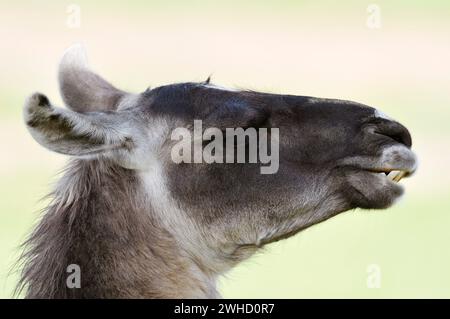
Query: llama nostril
[
  {"x": 401, "y": 137},
  {"x": 394, "y": 131}
]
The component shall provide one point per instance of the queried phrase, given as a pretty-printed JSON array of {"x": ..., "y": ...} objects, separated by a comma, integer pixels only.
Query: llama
[{"x": 139, "y": 225}]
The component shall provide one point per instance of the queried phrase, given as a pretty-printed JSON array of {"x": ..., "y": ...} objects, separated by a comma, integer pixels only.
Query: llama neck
[{"x": 100, "y": 220}]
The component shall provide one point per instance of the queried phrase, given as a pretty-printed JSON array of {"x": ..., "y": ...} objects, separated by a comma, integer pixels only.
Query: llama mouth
[
  {"x": 374, "y": 181},
  {"x": 395, "y": 163},
  {"x": 393, "y": 175}
]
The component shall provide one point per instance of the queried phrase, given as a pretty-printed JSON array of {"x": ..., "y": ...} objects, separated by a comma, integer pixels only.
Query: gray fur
[{"x": 142, "y": 226}]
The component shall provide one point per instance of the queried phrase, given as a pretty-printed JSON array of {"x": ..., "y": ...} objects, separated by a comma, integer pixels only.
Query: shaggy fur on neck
[{"x": 121, "y": 249}]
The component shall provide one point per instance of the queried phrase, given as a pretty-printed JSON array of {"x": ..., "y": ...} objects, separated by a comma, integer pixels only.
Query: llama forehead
[
  {"x": 188, "y": 101},
  {"x": 187, "y": 86}
]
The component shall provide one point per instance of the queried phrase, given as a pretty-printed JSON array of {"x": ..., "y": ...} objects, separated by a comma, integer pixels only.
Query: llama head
[{"x": 329, "y": 156}]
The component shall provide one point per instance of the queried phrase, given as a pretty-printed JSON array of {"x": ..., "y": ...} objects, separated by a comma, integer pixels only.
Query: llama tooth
[
  {"x": 392, "y": 175},
  {"x": 399, "y": 176}
]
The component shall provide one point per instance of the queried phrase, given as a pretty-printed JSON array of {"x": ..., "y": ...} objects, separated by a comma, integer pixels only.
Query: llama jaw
[
  {"x": 374, "y": 181},
  {"x": 396, "y": 162}
]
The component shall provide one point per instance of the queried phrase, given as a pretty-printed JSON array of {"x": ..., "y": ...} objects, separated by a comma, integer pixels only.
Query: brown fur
[
  {"x": 140, "y": 225},
  {"x": 116, "y": 242}
]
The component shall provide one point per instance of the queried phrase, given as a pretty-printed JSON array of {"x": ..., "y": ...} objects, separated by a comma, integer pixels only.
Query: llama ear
[
  {"x": 72, "y": 133},
  {"x": 81, "y": 89}
]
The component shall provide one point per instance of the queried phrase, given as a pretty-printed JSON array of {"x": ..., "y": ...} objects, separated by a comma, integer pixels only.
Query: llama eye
[{"x": 261, "y": 120}]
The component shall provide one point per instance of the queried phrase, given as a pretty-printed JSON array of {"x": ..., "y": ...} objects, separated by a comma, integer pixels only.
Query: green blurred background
[{"x": 318, "y": 48}]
